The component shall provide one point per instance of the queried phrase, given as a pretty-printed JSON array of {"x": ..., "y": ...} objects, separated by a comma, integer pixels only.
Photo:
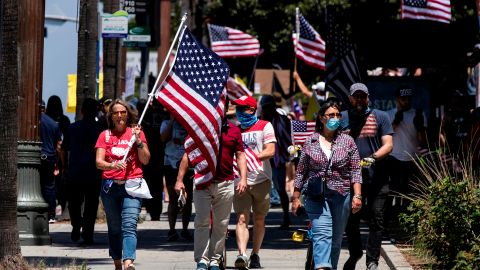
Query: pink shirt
[{"x": 115, "y": 145}]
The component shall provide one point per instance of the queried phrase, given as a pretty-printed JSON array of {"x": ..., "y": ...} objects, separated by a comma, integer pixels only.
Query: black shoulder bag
[{"x": 316, "y": 186}]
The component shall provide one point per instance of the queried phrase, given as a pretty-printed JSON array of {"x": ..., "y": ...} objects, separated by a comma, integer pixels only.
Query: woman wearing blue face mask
[{"x": 330, "y": 160}]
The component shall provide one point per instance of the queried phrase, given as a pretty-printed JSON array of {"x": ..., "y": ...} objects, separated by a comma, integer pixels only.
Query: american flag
[
  {"x": 193, "y": 92},
  {"x": 433, "y": 10},
  {"x": 301, "y": 130},
  {"x": 342, "y": 69},
  {"x": 229, "y": 42},
  {"x": 310, "y": 47},
  {"x": 254, "y": 164},
  {"x": 236, "y": 88}
]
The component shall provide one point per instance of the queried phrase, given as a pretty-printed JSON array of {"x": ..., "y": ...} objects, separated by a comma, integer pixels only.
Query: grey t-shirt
[{"x": 377, "y": 125}]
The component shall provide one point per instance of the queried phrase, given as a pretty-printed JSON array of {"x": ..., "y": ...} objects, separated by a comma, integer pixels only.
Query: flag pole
[
  {"x": 150, "y": 96},
  {"x": 297, "y": 34},
  {"x": 253, "y": 72}
]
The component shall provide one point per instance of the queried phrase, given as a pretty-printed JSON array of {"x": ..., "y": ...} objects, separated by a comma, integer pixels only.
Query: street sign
[
  {"x": 115, "y": 25},
  {"x": 134, "y": 7},
  {"x": 139, "y": 34}
]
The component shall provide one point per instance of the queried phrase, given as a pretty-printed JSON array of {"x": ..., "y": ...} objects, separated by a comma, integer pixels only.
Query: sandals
[{"x": 130, "y": 267}]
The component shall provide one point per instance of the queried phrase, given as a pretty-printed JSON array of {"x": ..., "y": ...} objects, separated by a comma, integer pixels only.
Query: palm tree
[
  {"x": 87, "y": 52},
  {"x": 10, "y": 253}
]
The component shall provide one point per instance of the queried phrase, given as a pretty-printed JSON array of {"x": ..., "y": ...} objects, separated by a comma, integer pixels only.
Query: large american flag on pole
[
  {"x": 342, "y": 69},
  {"x": 236, "y": 88},
  {"x": 301, "y": 130},
  {"x": 229, "y": 42},
  {"x": 433, "y": 10},
  {"x": 309, "y": 46},
  {"x": 193, "y": 92}
]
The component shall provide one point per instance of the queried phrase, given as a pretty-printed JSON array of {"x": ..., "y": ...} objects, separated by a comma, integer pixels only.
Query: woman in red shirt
[{"x": 121, "y": 209}]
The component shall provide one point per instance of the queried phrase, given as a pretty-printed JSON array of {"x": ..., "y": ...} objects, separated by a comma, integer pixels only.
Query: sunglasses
[
  {"x": 119, "y": 113},
  {"x": 332, "y": 115}
]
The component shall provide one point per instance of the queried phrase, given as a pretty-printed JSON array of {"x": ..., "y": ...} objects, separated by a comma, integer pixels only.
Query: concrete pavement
[{"x": 154, "y": 252}]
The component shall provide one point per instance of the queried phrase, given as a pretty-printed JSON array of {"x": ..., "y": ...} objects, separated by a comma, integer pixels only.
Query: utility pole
[
  {"x": 32, "y": 215},
  {"x": 165, "y": 10}
]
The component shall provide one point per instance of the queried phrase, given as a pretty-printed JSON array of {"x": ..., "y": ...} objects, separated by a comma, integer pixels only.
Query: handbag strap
[{"x": 329, "y": 162}]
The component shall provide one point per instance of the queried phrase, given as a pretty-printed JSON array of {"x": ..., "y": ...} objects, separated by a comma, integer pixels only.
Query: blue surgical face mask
[
  {"x": 246, "y": 120},
  {"x": 333, "y": 124}
]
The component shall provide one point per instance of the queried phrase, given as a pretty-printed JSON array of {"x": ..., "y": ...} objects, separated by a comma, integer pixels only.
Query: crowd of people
[{"x": 346, "y": 171}]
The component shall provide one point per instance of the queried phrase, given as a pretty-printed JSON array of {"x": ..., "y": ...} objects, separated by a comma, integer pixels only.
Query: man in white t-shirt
[
  {"x": 259, "y": 136},
  {"x": 409, "y": 125}
]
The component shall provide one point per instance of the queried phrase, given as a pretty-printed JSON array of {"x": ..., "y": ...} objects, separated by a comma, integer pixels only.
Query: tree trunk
[
  {"x": 87, "y": 52},
  {"x": 111, "y": 57},
  {"x": 10, "y": 253}
]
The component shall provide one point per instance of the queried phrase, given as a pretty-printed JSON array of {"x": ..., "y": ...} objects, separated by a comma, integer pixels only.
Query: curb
[{"x": 394, "y": 257}]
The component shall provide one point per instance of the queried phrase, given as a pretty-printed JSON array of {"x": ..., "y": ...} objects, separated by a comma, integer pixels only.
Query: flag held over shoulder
[
  {"x": 193, "y": 92},
  {"x": 229, "y": 42}
]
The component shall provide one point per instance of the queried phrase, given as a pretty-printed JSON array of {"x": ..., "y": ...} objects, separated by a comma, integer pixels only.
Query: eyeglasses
[
  {"x": 332, "y": 115},
  {"x": 119, "y": 113}
]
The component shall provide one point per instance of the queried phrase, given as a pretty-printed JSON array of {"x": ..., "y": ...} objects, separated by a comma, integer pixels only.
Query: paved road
[{"x": 279, "y": 251}]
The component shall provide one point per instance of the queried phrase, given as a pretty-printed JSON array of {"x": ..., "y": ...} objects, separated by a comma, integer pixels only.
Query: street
[{"x": 154, "y": 252}]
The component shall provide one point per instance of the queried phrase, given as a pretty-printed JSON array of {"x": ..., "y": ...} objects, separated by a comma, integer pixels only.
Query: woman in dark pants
[{"x": 173, "y": 135}]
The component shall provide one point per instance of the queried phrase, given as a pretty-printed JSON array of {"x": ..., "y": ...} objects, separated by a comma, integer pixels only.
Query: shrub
[{"x": 444, "y": 216}]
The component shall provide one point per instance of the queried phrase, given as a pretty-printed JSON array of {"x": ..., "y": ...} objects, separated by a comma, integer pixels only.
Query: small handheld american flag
[{"x": 301, "y": 130}]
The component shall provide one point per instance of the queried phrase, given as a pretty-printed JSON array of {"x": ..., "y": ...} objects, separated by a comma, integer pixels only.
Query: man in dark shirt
[
  {"x": 372, "y": 131},
  {"x": 83, "y": 180},
  {"x": 51, "y": 138},
  {"x": 215, "y": 199}
]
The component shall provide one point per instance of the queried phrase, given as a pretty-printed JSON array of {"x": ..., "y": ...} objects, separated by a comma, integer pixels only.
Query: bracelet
[{"x": 357, "y": 196}]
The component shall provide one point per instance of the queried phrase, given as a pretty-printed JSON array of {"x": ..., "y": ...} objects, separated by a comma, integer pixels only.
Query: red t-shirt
[
  {"x": 231, "y": 143},
  {"x": 115, "y": 145}
]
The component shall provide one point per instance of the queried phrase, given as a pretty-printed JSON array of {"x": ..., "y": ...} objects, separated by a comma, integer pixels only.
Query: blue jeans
[
  {"x": 122, "y": 211},
  {"x": 329, "y": 218}
]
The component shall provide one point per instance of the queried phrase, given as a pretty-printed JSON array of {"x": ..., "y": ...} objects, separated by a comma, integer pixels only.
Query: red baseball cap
[{"x": 246, "y": 101}]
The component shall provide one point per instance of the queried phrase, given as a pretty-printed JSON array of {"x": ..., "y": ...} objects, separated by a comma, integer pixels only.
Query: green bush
[{"x": 444, "y": 216}]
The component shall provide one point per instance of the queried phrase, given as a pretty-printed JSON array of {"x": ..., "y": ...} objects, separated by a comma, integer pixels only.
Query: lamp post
[{"x": 32, "y": 215}]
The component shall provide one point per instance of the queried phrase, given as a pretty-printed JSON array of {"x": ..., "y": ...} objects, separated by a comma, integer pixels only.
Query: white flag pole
[
  {"x": 150, "y": 96},
  {"x": 297, "y": 36}
]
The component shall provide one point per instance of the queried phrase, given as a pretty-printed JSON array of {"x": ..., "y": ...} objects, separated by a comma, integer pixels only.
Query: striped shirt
[
  {"x": 370, "y": 138},
  {"x": 344, "y": 168},
  {"x": 255, "y": 138}
]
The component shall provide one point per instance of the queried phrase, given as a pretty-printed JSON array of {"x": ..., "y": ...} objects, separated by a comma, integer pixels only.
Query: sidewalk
[{"x": 154, "y": 252}]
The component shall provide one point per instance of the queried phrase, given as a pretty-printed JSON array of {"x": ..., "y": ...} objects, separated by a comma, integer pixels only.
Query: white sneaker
[{"x": 51, "y": 221}]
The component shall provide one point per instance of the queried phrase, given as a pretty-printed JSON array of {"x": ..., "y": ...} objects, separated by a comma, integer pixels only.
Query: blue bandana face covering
[
  {"x": 333, "y": 124},
  {"x": 246, "y": 120}
]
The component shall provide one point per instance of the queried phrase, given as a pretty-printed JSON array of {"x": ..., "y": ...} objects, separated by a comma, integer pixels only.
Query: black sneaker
[
  {"x": 186, "y": 235},
  {"x": 254, "y": 261},
  {"x": 172, "y": 236},
  {"x": 75, "y": 235},
  {"x": 351, "y": 263}
]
